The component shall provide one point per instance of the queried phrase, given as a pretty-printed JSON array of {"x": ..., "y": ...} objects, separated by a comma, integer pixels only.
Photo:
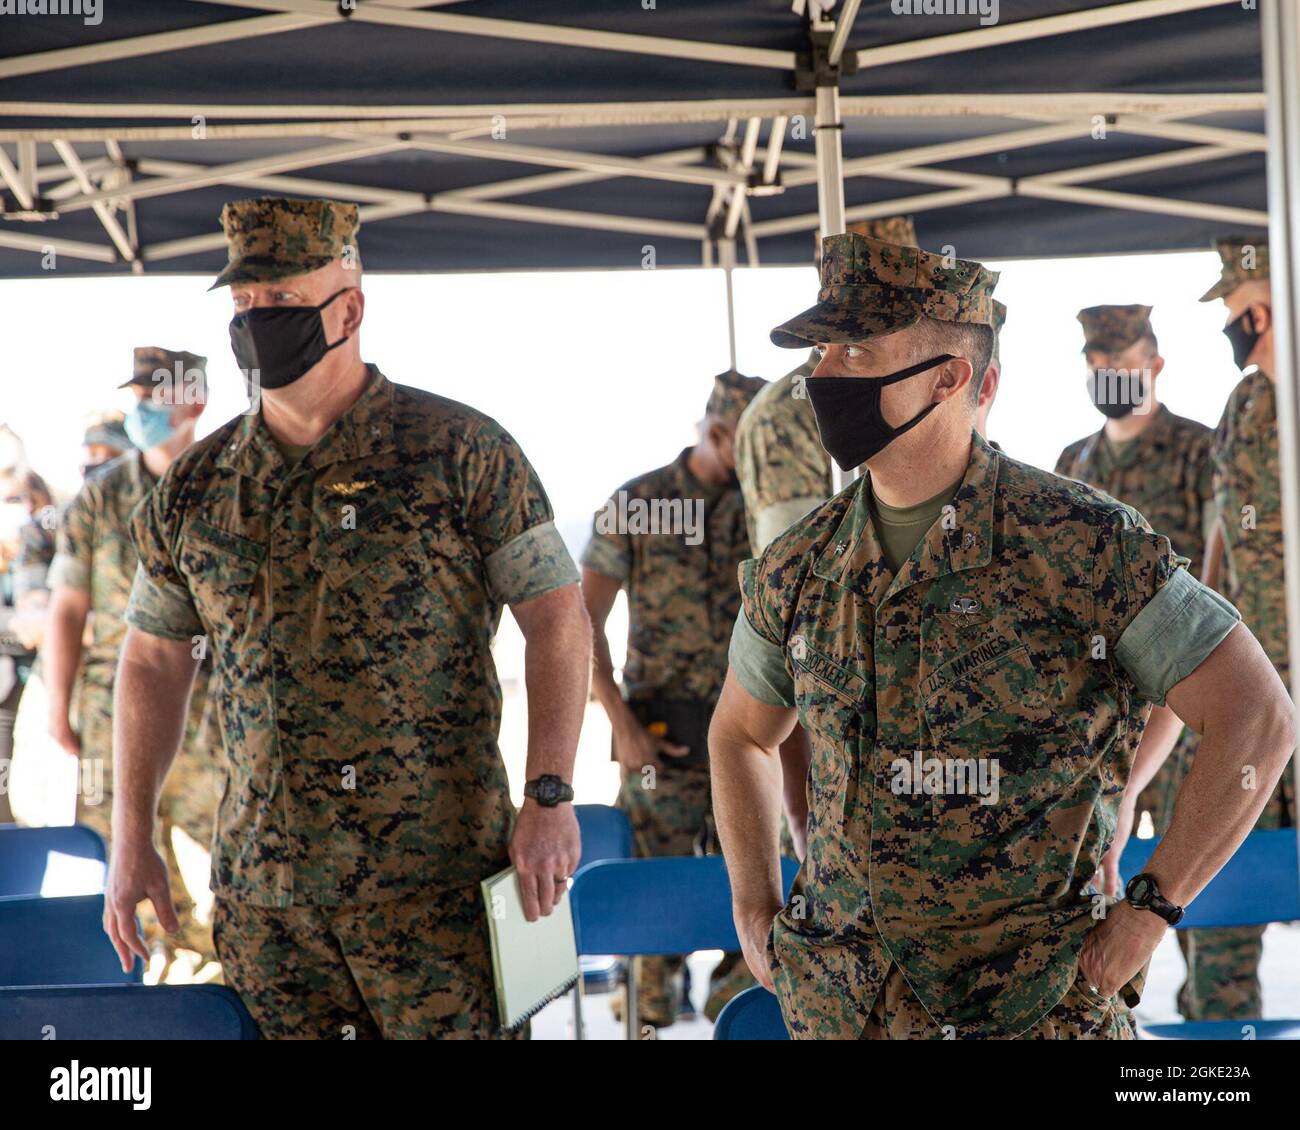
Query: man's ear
[
  {"x": 1261, "y": 316},
  {"x": 1156, "y": 366},
  {"x": 954, "y": 376}
]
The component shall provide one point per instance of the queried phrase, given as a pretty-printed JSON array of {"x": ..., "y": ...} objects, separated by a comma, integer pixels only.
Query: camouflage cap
[
  {"x": 732, "y": 392},
  {"x": 887, "y": 229},
  {"x": 149, "y": 359},
  {"x": 1244, "y": 259},
  {"x": 1112, "y": 329},
  {"x": 107, "y": 429},
  {"x": 274, "y": 237},
  {"x": 999, "y": 320},
  {"x": 870, "y": 288}
]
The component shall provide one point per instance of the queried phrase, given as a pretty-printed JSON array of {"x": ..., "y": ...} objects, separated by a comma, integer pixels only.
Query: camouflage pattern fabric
[
  {"x": 273, "y": 238},
  {"x": 682, "y": 601},
  {"x": 682, "y": 597},
  {"x": 888, "y": 229},
  {"x": 1112, "y": 329},
  {"x": 780, "y": 461},
  {"x": 731, "y": 394},
  {"x": 349, "y": 606},
  {"x": 1244, "y": 259},
  {"x": 1166, "y": 474},
  {"x": 31, "y": 565},
  {"x": 417, "y": 967},
  {"x": 108, "y": 429},
  {"x": 1223, "y": 965},
  {"x": 94, "y": 554},
  {"x": 1079, "y": 1015},
  {"x": 870, "y": 289},
  {"x": 995, "y": 643},
  {"x": 151, "y": 362}
]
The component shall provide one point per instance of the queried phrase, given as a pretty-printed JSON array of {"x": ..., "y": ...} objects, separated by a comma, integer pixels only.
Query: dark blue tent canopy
[{"x": 499, "y": 134}]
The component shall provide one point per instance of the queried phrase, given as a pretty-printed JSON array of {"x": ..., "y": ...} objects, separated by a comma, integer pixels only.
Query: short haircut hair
[{"x": 962, "y": 339}]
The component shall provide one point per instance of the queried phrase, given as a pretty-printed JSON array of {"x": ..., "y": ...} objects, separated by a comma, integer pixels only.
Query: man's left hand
[
  {"x": 1119, "y": 946},
  {"x": 545, "y": 849}
]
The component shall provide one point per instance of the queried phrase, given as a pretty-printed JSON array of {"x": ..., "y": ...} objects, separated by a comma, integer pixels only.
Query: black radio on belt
[{"x": 682, "y": 721}]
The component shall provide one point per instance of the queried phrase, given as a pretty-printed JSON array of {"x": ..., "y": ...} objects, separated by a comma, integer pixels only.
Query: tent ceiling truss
[{"x": 736, "y": 169}]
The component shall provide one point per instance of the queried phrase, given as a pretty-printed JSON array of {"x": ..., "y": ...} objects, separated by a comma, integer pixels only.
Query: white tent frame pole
[
  {"x": 1104, "y": 198},
  {"x": 102, "y": 208},
  {"x": 17, "y": 183},
  {"x": 1024, "y": 30},
  {"x": 549, "y": 34},
  {"x": 1280, "y": 41},
  {"x": 829, "y": 173},
  {"x": 75, "y": 249},
  {"x": 576, "y": 159},
  {"x": 218, "y": 174},
  {"x": 171, "y": 41}
]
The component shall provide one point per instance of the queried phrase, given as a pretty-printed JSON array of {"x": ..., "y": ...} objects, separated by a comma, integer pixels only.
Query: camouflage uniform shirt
[
  {"x": 351, "y": 602},
  {"x": 1164, "y": 473},
  {"x": 784, "y": 470},
  {"x": 680, "y": 575},
  {"x": 1019, "y": 647},
  {"x": 1248, "y": 489}
]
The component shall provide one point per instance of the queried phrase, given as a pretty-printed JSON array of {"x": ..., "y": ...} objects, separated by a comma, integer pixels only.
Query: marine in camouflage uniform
[
  {"x": 783, "y": 469},
  {"x": 350, "y": 598},
  {"x": 93, "y": 554},
  {"x": 1247, "y": 489},
  {"x": 927, "y": 913},
  {"x": 680, "y": 580},
  {"x": 1164, "y": 473}
]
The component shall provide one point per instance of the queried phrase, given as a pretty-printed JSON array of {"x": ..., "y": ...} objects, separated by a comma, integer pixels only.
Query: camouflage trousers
[
  {"x": 671, "y": 813},
  {"x": 1079, "y": 1015},
  {"x": 417, "y": 967},
  {"x": 189, "y": 801},
  {"x": 1222, "y": 965}
]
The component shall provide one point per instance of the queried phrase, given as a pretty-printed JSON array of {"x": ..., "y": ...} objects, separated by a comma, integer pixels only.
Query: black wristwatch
[
  {"x": 548, "y": 790},
  {"x": 1143, "y": 892}
]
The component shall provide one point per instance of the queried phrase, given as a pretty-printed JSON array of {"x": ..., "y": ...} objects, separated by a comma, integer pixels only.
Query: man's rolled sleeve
[
  {"x": 533, "y": 564},
  {"x": 161, "y": 609},
  {"x": 1173, "y": 634},
  {"x": 73, "y": 543},
  {"x": 160, "y": 601}
]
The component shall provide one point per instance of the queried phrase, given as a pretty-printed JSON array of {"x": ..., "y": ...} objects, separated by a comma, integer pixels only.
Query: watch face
[
  {"x": 1139, "y": 891},
  {"x": 547, "y": 791}
]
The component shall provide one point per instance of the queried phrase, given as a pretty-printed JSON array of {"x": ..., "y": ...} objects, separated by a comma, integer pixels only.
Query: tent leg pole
[
  {"x": 830, "y": 192},
  {"x": 728, "y": 257},
  {"x": 1280, "y": 45}
]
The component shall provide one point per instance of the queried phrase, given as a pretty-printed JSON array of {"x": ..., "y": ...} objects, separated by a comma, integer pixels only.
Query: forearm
[
  {"x": 604, "y": 685},
  {"x": 1158, "y": 740},
  {"x": 62, "y": 655},
  {"x": 1232, "y": 776},
  {"x": 557, "y": 660},
  {"x": 747, "y": 789},
  {"x": 150, "y": 705}
]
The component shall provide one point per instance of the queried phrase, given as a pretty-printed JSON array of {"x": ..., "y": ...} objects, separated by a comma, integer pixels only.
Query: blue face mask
[{"x": 149, "y": 424}]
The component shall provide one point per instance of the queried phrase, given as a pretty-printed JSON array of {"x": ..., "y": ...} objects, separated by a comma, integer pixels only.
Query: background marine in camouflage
[{"x": 680, "y": 578}]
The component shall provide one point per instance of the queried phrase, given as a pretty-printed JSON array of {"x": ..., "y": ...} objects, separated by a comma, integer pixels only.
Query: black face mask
[
  {"x": 1114, "y": 407},
  {"x": 1242, "y": 335},
  {"x": 280, "y": 342},
  {"x": 850, "y": 421}
]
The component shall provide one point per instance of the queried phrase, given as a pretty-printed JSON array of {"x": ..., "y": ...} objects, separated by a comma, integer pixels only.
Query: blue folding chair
[
  {"x": 1258, "y": 885},
  {"x": 25, "y": 855},
  {"x": 606, "y": 834},
  {"x": 671, "y": 905},
  {"x": 59, "y": 941},
  {"x": 125, "y": 1012},
  {"x": 605, "y": 831},
  {"x": 751, "y": 1015}
]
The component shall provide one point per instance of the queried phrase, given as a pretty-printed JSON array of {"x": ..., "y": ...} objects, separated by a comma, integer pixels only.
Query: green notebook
[{"x": 532, "y": 962}]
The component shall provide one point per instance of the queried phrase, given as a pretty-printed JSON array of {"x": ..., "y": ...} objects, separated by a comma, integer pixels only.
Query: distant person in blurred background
[
  {"x": 673, "y": 538},
  {"x": 90, "y": 577},
  {"x": 23, "y": 494}
]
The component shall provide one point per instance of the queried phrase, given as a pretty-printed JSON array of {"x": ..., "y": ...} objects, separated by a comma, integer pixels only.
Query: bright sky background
[{"x": 600, "y": 375}]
